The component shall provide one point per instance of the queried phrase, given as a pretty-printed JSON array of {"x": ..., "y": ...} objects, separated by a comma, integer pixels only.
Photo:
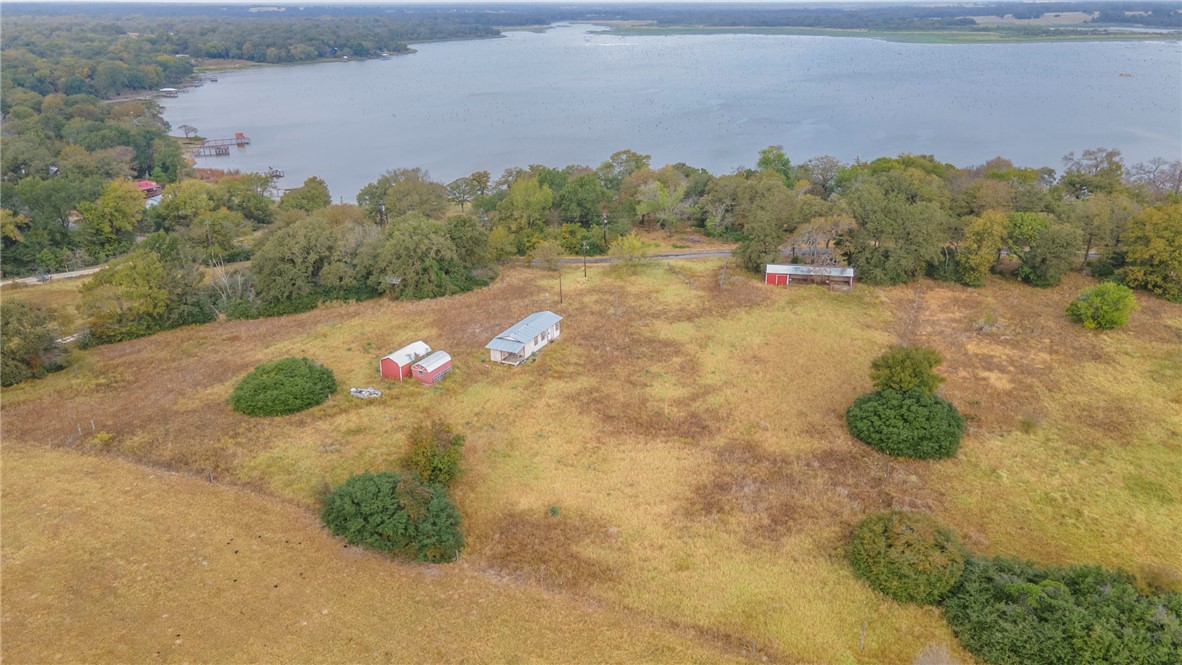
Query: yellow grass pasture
[{"x": 679, "y": 455}]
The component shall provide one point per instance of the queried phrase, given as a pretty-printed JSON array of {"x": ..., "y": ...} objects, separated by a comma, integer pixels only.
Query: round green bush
[
  {"x": 906, "y": 424},
  {"x": 1105, "y": 306},
  {"x": 907, "y": 556},
  {"x": 395, "y": 513},
  {"x": 283, "y": 386}
]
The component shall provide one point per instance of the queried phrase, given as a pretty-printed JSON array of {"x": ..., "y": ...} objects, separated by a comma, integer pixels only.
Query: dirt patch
[
  {"x": 550, "y": 549},
  {"x": 769, "y": 496}
]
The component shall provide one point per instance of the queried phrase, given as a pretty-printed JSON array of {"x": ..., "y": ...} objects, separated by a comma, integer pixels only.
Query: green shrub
[
  {"x": 395, "y": 513},
  {"x": 906, "y": 424},
  {"x": 1105, "y": 306},
  {"x": 1007, "y": 611},
  {"x": 283, "y": 386},
  {"x": 903, "y": 368},
  {"x": 434, "y": 452},
  {"x": 909, "y": 557}
]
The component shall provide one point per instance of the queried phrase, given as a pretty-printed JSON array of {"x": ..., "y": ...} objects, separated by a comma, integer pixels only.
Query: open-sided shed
[
  {"x": 841, "y": 276},
  {"x": 432, "y": 368},
  {"x": 524, "y": 339},
  {"x": 397, "y": 365}
]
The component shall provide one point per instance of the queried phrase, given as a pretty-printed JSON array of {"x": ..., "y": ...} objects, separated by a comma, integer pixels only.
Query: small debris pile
[{"x": 365, "y": 393}]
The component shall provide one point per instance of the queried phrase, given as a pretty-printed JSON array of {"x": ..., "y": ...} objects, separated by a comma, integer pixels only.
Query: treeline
[{"x": 409, "y": 237}]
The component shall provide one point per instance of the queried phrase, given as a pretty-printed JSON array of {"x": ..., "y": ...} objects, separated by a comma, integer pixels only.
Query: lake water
[{"x": 569, "y": 96}]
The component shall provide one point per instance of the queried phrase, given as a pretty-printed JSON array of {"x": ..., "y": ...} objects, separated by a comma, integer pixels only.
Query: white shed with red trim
[
  {"x": 432, "y": 368},
  {"x": 397, "y": 365}
]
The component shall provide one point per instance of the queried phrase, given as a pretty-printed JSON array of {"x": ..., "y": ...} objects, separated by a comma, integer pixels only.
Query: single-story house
[
  {"x": 149, "y": 188},
  {"x": 525, "y": 338},
  {"x": 801, "y": 274},
  {"x": 397, "y": 365},
  {"x": 432, "y": 368}
]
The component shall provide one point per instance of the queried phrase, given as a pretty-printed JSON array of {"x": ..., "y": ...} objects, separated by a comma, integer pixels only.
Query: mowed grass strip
[
  {"x": 116, "y": 563},
  {"x": 680, "y": 452}
]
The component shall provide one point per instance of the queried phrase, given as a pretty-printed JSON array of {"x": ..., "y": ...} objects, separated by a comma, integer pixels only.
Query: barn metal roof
[
  {"x": 831, "y": 271},
  {"x": 408, "y": 353},
  {"x": 528, "y": 328},
  {"x": 434, "y": 361}
]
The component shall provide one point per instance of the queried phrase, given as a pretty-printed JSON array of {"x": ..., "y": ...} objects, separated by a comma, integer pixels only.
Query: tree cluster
[
  {"x": 395, "y": 513},
  {"x": 907, "y": 556},
  {"x": 28, "y": 343}
]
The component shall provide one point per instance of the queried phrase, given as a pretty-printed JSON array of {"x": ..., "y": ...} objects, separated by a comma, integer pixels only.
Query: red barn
[
  {"x": 841, "y": 276},
  {"x": 432, "y": 368},
  {"x": 397, "y": 365}
]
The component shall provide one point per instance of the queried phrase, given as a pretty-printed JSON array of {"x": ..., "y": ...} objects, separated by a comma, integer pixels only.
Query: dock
[{"x": 219, "y": 147}]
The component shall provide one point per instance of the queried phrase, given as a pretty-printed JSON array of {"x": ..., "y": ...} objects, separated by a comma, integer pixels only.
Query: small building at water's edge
[{"x": 519, "y": 342}]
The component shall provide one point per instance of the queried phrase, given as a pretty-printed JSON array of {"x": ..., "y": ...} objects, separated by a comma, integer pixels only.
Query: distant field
[{"x": 678, "y": 456}]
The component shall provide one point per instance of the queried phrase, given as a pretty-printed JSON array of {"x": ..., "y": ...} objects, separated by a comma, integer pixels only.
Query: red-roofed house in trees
[{"x": 149, "y": 188}]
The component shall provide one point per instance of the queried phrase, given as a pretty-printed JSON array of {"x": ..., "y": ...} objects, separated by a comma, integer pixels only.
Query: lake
[{"x": 571, "y": 96}]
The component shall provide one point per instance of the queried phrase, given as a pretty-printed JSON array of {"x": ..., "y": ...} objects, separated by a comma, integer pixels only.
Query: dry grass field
[{"x": 677, "y": 462}]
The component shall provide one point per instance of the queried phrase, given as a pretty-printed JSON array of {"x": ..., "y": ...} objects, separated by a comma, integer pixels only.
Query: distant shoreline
[{"x": 991, "y": 36}]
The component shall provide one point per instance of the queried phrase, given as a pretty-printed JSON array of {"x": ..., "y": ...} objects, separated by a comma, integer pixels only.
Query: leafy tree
[
  {"x": 395, "y": 513},
  {"x": 28, "y": 343},
  {"x": 312, "y": 195},
  {"x": 582, "y": 199},
  {"x": 287, "y": 266},
  {"x": 181, "y": 204},
  {"x": 1051, "y": 255},
  {"x": 215, "y": 234},
  {"x": 411, "y": 190},
  {"x": 419, "y": 254},
  {"x": 902, "y": 225},
  {"x": 1154, "y": 251},
  {"x": 667, "y": 204},
  {"x": 906, "y": 424},
  {"x": 1094, "y": 171},
  {"x": 1105, "y": 306},
  {"x": 762, "y": 238},
  {"x": 461, "y": 191},
  {"x": 1101, "y": 219},
  {"x": 547, "y": 254},
  {"x": 630, "y": 250},
  {"x": 434, "y": 452},
  {"x": 904, "y": 368},
  {"x": 527, "y": 205},
  {"x": 772, "y": 158},
  {"x": 984, "y": 239},
  {"x": 283, "y": 386},
  {"x": 620, "y": 165},
  {"x": 907, "y": 556},
  {"x": 109, "y": 221}
]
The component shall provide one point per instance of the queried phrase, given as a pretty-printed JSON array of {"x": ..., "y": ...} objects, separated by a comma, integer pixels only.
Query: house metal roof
[
  {"x": 407, "y": 354},
  {"x": 434, "y": 361},
  {"x": 831, "y": 271},
  {"x": 528, "y": 328}
]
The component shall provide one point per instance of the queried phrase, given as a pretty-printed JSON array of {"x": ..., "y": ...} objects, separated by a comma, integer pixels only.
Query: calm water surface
[{"x": 568, "y": 96}]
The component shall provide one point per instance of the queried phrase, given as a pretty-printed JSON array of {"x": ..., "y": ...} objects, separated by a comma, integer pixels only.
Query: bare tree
[
  {"x": 1158, "y": 176},
  {"x": 823, "y": 172},
  {"x": 189, "y": 130}
]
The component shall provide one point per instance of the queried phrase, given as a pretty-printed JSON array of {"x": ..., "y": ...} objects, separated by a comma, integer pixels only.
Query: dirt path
[{"x": 39, "y": 279}]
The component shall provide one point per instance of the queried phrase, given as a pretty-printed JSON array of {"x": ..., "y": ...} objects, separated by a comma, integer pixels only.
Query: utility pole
[
  {"x": 584, "y": 259},
  {"x": 605, "y": 228},
  {"x": 560, "y": 282}
]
